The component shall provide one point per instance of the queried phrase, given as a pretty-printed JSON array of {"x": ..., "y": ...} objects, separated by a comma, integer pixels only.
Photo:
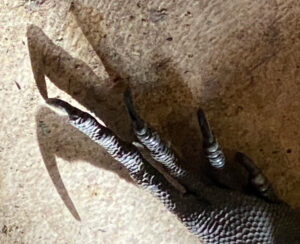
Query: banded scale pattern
[
  {"x": 214, "y": 154},
  {"x": 214, "y": 214},
  {"x": 221, "y": 224},
  {"x": 212, "y": 149},
  {"x": 160, "y": 151},
  {"x": 127, "y": 154}
]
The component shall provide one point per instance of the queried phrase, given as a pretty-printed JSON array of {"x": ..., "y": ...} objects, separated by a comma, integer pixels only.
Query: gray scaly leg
[{"x": 128, "y": 155}]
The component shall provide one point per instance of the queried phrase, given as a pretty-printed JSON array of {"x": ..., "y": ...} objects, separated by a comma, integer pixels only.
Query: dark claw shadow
[
  {"x": 165, "y": 113},
  {"x": 77, "y": 79},
  {"x": 49, "y": 158},
  {"x": 57, "y": 138},
  {"x": 73, "y": 76}
]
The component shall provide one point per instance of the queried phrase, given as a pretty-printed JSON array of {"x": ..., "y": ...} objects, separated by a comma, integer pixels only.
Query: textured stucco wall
[{"x": 239, "y": 60}]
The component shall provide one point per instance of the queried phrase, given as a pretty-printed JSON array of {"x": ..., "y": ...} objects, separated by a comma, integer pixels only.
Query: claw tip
[
  {"x": 136, "y": 120},
  {"x": 60, "y": 105}
]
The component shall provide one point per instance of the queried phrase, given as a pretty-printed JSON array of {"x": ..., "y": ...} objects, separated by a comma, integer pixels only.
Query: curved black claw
[
  {"x": 208, "y": 136},
  {"x": 63, "y": 106},
  {"x": 159, "y": 150},
  {"x": 212, "y": 149},
  {"x": 258, "y": 180},
  {"x": 138, "y": 123}
]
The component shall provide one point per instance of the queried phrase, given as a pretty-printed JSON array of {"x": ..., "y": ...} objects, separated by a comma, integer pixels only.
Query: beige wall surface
[{"x": 238, "y": 60}]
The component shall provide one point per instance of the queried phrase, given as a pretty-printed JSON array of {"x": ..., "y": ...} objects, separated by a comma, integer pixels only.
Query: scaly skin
[{"x": 213, "y": 213}]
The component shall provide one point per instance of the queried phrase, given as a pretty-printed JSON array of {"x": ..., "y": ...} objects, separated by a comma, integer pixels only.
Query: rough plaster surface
[{"x": 239, "y": 60}]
